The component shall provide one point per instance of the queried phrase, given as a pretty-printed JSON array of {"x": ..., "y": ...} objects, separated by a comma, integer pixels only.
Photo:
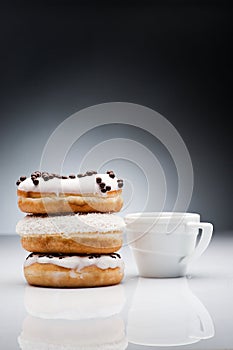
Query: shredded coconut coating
[{"x": 69, "y": 224}]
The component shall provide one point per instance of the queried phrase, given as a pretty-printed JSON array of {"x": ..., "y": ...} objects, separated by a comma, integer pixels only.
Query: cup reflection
[
  {"x": 166, "y": 313},
  {"x": 73, "y": 319}
]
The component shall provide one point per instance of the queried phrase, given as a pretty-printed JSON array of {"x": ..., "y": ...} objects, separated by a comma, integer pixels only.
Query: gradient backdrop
[{"x": 175, "y": 57}]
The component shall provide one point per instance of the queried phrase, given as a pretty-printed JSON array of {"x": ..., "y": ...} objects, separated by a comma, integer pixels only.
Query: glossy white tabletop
[{"x": 195, "y": 312}]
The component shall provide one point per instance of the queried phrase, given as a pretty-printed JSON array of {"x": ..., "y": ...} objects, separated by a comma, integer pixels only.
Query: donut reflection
[
  {"x": 74, "y": 304},
  {"x": 106, "y": 333},
  {"x": 165, "y": 312},
  {"x": 73, "y": 319}
]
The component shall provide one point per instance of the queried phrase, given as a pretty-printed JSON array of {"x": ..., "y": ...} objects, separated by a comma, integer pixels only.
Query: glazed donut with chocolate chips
[
  {"x": 57, "y": 270},
  {"x": 76, "y": 233},
  {"x": 51, "y": 193}
]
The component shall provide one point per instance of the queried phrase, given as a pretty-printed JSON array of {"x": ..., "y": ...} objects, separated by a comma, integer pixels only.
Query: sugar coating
[{"x": 69, "y": 224}]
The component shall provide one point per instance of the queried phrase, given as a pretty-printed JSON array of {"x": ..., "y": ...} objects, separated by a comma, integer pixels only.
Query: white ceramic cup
[
  {"x": 164, "y": 243},
  {"x": 167, "y": 313}
]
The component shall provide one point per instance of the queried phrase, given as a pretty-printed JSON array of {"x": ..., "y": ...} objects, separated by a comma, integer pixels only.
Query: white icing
[
  {"x": 69, "y": 224},
  {"x": 86, "y": 184},
  {"x": 76, "y": 262}
]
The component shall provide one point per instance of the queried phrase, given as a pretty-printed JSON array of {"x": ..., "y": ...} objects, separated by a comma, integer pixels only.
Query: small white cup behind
[{"x": 164, "y": 243}]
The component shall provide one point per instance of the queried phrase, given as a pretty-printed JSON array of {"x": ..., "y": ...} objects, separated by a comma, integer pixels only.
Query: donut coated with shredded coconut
[{"x": 69, "y": 224}]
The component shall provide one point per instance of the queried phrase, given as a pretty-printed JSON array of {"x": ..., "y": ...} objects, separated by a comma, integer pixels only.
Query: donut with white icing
[
  {"x": 51, "y": 193},
  {"x": 59, "y": 270},
  {"x": 71, "y": 234}
]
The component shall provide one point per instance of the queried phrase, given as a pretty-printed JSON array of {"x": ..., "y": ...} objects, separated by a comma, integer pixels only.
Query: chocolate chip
[
  {"x": 103, "y": 190},
  {"x": 64, "y": 177},
  {"x": 37, "y": 173},
  {"x": 112, "y": 175},
  {"x": 72, "y": 176},
  {"x": 102, "y": 185},
  {"x": 36, "y": 182},
  {"x": 44, "y": 174},
  {"x": 89, "y": 173},
  {"x": 119, "y": 180},
  {"x": 60, "y": 257},
  {"x": 45, "y": 178},
  {"x": 94, "y": 256},
  {"x": 22, "y": 178},
  {"x": 109, "y": 172},
  {"x": 98, "y": 180},
  {"x": 80, "y": 175},
  {"x": 51, "y": 176},
  {"x": 120, "y": 184},
  {"x": 115, "y": 255},
  {"x": 18, "y": 182},
  {"x": 108, "y": 188}
]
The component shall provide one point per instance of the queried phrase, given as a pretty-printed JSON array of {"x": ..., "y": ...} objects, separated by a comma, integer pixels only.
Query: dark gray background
[{"x": 58, "y": 57}]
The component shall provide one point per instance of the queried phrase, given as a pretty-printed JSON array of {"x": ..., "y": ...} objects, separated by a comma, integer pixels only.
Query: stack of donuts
[{"x": 71, "y": 229}]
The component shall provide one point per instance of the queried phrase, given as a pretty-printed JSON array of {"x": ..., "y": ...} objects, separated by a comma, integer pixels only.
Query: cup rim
[{"x": 164, "y": 216}]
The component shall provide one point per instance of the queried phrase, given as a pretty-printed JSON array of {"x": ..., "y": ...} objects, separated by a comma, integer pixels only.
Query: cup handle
[{"x": 206, "y": 234}]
